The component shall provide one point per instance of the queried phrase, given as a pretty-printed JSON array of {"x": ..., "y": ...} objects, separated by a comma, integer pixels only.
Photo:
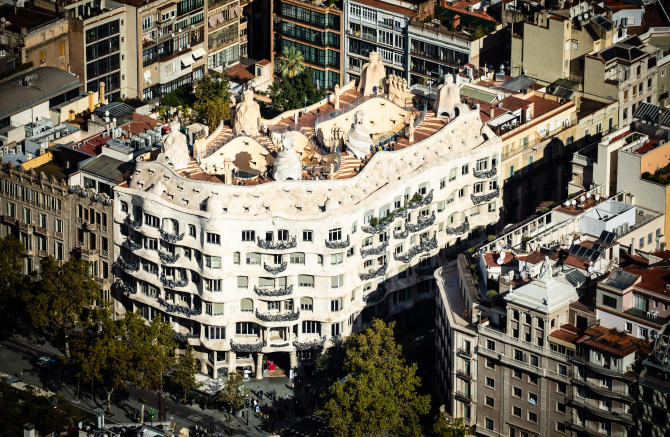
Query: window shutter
[
  {"x": 217, "y": 309},
  {"x": 242, "y": 281}
]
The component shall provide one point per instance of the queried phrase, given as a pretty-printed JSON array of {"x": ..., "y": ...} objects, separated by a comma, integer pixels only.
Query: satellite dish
[
  {"x": 573, "y": 202},
  {"x": 567, "y": 203},
  {"x": 501, "y": 262},
  {"x": 597, "y": 197},
  {"x": 106, "y": 113},
  {"x": 591, "y": 269},
  {"x": 572, "y": 15},
  {"x": 590, "y": 263},
  {"x": 588, "y": 195},
  {"x": 582, "y": 198}
]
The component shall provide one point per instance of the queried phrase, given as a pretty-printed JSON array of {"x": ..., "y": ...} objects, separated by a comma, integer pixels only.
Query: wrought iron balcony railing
[
  {"x": 274, "y": 293},
  {"x": 279, "y": 245},
  {"x": 170, "y": 238},
  {"x": 280, "y": 317},
  {"x": 338, "y": 244},
  {"x": 276, "y": 270},
  {"x": 373, "y": 274}
]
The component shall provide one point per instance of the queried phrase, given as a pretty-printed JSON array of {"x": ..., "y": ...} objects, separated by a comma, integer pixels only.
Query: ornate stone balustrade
[
  {"x": 128, "y": 267},
  {"x": 310, "y": 345},
  {"x": 171, "y": 308},
  {"x": 167, "y": 258},
  {"x": 132, "y": 245},
  {"x": 134, "y": 224},
  {"x": 460, "y": 229},
  {"x": 247, "y": 348},
  {"x": 171, "y": 283},
  {"x": 125, "y": 288},
  {"x": 423, "y": 202},
  {"x": 485, "y": 174},
  {"x": 426, "y": 246},
  {"x": 381, "y": 227},
  {"x": 170, "y": 238},
  {"x": 183, "y": 338},
  {"x": 485, "y": 198},
  {"x": 338, "y": 244},
  {"x": 422, "y": 223},
  {"x": 375, "y": 250},
  {"x": 379, "y": 272},
  {"x": 274, "y": 293},
  {"x": 401, "y": 235},
  {"x": 276, "y": 270},
  {"x": 286, "y": 317},
  {"x": 279, "y": 245}
]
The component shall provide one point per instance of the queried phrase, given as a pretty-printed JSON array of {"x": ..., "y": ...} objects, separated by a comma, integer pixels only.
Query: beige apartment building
[{"x": 38, "y": 34}]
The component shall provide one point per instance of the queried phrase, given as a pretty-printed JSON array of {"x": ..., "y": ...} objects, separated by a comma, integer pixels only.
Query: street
[{"x": 18, "y": 355}]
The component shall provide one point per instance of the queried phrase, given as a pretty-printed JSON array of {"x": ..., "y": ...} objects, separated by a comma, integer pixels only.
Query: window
[
  {"x": 490, "y": 382},
  {"x": 354, "y": 227},
  {"x": 305, "y": 281},
  {"x": 532, "y": 417},
  {"x": 152, "y": 221},
  {"x": 532, "y": 379},
  {"x": 336, "y": 259},
  {"x": 532, "y": 399},
  {"x": 452, "y": 174},
  {"x": 517, "y": 392},
  {"x": 489, "y": 424},
  {"x": 213, "y": 262},
  {"x": 560, "y": 426},
  {"x": 560, "y": 407},
  {"x": 605, "y": 427},
  {"x": 246, "y": 328},
  {"x": 491, "y": 345},
  {"x": 311, "y": 327},
  {"x": 534, "y": 360},
  {"x": 629, "y": 327},
  {"x": 478, "y": 187},
  {"x": 465, "y": 169},
  {"x": 644, "y": 333},
  {"x": 336, "y": 329},
  {"x": 215, "y": 284},
  {"x": 335, "y": 234},
  {"x": 516, "y": 411},
  {"x": 336, "y": 305},
  {"x": 236, "y": 258},
  {"x": 248, "y": 235},
  {"x": 277, "y": 259},
  {"x": 213, "y": 238},
  {"x": 609, "y": 301},
  {"x": 489, "y": 402},
  {"x": 490, "y": 363},
  {"x": 443, "y": 183},
  {"x": 297, "y": 258},
  {"x": 336, "y": 281},
  {"x": 562, "y": 370},
  {"x": 273, "y": 306},
  {"x": 306, "y": 304},
  {"x": 253, "y": 259}
]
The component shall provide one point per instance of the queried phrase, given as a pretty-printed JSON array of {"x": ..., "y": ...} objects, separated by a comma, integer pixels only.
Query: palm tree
[{"x": 292, "y": 63}]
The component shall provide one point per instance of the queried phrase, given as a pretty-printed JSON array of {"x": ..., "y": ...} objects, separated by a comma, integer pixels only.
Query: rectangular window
[
  {"x": 307, "y": 236},
  {"x": 335, "y": 234},
  {"x": 490, "y": 382},
  {"x": 489, "y": 424},
  {"x": 609, "y": 301},
  {"x": 532, "y": 417},
  {"x": 336, "y": 305},
  {"x": 248, "y": 236},
  {"x": 152, "y": 221},
  {"x": 310, "y": 327},
  {"x": 213, "y": 238},
  {"x": 516, "y": 411},
  {"x": 297, "y": 258},
  {"x": 213, "y": 262}
]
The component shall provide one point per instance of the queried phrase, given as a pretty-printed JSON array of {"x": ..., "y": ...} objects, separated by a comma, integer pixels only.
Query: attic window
[
  {"x": 298, "y": 208},
  {"x": 180, "y": 187},
  {"x": 151, "y": 170},
  {"x": 246, "y": 209},
  {"x": 166, "y": 176},
  {"x": 195, "y": 190}
]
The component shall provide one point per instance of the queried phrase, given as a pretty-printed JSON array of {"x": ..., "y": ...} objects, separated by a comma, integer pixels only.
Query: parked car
[{"x": 47, "y": 363}]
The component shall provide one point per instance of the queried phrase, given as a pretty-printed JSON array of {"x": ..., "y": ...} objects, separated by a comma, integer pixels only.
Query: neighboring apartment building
[
  {"x": 376, "y": 26},
  {"x": 653, "y": 401},
  {"x": 173, "y": 45},
  {"x": 224, "y": 30},
  {"x": 316, "y": 30},
  {"x": 104, "y": 47},
  {"x": 625, "y": 72},
  {"x": 39, "y": 35}
]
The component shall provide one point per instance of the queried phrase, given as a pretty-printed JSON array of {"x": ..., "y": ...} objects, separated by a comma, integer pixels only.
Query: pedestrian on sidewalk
[
  {"x": 260, "y": 394},
  {"x": 286, "y": 397}
]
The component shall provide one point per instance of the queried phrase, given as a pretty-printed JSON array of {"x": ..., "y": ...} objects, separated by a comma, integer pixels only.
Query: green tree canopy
[
  {"x": 290, "y": 94},
  {"x": 445, "y": 427},
  {"x": 232, "y": 394},
  {"x": 17, "y": 409},
  {"x": 379, "y": 397},
  {"x": 61, "y": 296},
  {"x": 184, "y": 371},
  {"x": 291, "y": 63},
  {"x": 13, "y": 284},
  {"x": 212, "y": 99}
]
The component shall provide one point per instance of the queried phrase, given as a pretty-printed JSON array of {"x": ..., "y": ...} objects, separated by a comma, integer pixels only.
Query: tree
[
  {"x": 291, "y": 63},
  {"x": 330, "y": 365},
  {"x": 107, "y": 353},
  {"x": 212, "y": 99},
  {"x": 153, "y": 348},
  {"x": 13, "y": 284},
  {"x": 48, "y": 415},
  {"x": 290, "y": 94},
  {"x": 445, "y": 427},
  {"x": 61, "y": 296},
  {"x": 184, "y": 371},
  {"x": 231, "y": 395},
  {"x": 379, "y": 397}
]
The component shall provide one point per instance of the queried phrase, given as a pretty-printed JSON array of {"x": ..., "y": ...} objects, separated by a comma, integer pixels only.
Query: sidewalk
[{"x": 19, "y": 355}]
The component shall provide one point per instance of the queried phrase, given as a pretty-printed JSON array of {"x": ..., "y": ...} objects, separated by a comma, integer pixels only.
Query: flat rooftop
[{"x": 30, "y": 18}]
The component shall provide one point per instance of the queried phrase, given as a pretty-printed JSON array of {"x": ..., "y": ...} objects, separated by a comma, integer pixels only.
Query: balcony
[
  {"x": 581, "y": 428},
  {"x": 169, "y": 237},
  {"x": 463, "y": 397},
  {"x": 279, "y": 245},
  {"x": 602, "y": 391},
  {"x": 463, "y": 374},
  {"x": 647, "y": 316},
  {"x": 600, "y": 369},
  {"x": 364, "y": 36},
  {"x": 9, "y": 219},
  {"x": 578, "y": 402},
  {"x": 26, "y": 227},
  {"x": 466, "y": 353},
  {"x": 278, "y": 317}
]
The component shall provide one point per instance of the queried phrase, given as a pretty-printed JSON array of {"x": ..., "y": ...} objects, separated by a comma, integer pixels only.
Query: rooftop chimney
[
  {"x": 91, "y": 101},
  {"x": 493, "y": 110},
  {"x": 102, "y": 93},
  {"x": 632, "y": 246},
  {"x": 28, "y": 430},
  {"x": 457, "y": 20}
]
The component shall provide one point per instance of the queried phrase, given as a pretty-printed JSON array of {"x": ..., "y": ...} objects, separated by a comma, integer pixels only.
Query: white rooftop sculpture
[
  {"x": 288, "y": 165},
  {"x": 358, "y": 137},
  {"x": 175, "y": 148},
  {"x": 372, "y": 75},
  {"x": 247, "y": 115},
  {"x": 448, "y": 97}
]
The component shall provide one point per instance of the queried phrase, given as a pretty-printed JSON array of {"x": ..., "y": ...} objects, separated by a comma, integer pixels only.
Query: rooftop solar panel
[
  {"x": 596, "y": 246},
  {"x": 575, "y": 278},
  {"x": 621, "y": 280},
  {"x": 588, "y": 254},
  {"x": 581, "y": 252},
  {"x": 574, "y": 249},
  {"x": 595, "y": 256},
  {"x": 602, "y": 237},
  {"x": 610, "y": 238}
]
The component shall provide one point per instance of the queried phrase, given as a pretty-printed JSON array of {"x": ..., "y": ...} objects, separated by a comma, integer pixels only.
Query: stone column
[
  {"x": 203, "y": 367},
  {"x": 231, "y": 362},
  {"x": 325, "y": 330},
  {"x": 215, "y": 371},
  {"x": 299, "y": 336},
  {"x": 293, "y": 359},
  {"x": 259, "y": 366}
]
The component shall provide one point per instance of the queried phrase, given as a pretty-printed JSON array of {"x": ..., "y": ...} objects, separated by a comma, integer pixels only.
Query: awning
[
  {"x": 187, "y": 61},
  {"x": 147, "y": 75},
  {"x": 199, "y": 53}
]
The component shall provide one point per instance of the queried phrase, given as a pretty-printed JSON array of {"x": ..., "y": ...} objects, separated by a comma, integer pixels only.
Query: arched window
[
  {"x": 247, "y": 305},
  {"x": 306, "y": 304},
  {"x": 236, "y": 258}
]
